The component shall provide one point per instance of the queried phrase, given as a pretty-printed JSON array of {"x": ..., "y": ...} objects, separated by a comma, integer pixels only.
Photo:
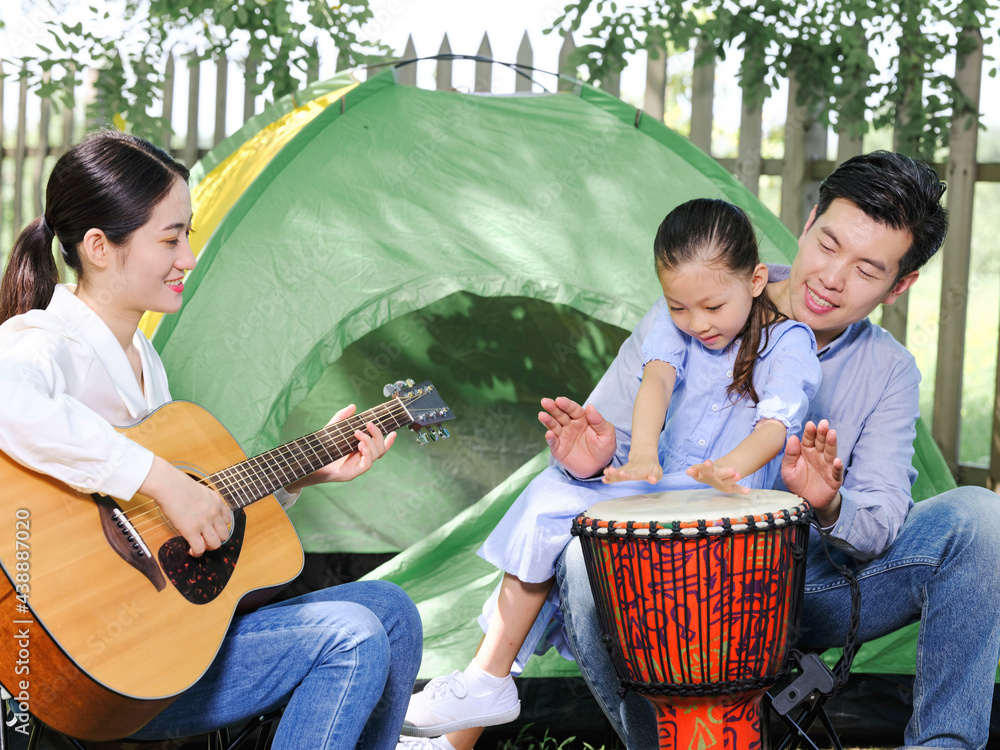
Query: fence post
[
  {"x": 961, "y": 177},
  {"x": 702, "y": 95},
  {"x": 484, "y": 70},
  {"x": 748, "y": 159},
  {"x": 43, "y": 147},
  {"x": 2, "y": 155},
  {"x": 312, "y": 71},
  {"x": 20, "y": 153},
  {"x": 444, "y": 66},
  {"x": 847, "y": 145},
  {"x": 221, "y": 93},
  {"x": 190, "y": 152},
  {"x": 525, "y": 57},
  {"x": 655, "y": 101},
  {"x": 896, "y": 315},
  {"x": 66, "y": 145},
  {"x": 249, "y": 86},
  {"x": 168, "y": 102},
  {"x": 612, "y": 82},
  {"x": 566, "y": 68},
  {"x": 406, "y": 75},
  {"x": 794, "y": 168},
  {"x": 805, "y": 141}
]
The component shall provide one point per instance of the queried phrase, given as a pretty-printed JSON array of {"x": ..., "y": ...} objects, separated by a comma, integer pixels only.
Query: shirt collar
[
  {"x": 87, "y": 324},
  {"x": 844, "y": 339}
]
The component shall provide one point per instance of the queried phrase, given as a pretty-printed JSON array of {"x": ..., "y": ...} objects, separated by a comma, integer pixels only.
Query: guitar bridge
[
  {"x": 128, "y": 531},
  {"x": 126, "y": 541}
]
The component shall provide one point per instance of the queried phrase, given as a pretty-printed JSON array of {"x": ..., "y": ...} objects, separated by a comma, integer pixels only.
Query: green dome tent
[{"x": 499, "y": 246}]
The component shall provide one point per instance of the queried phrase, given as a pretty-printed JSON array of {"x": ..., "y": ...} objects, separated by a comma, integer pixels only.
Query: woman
[{"x": 73, "y": 364}]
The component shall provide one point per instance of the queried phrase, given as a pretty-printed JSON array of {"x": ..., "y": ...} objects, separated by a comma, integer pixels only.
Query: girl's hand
[
  {"x": 635, "y": 470},
  {"x": 722, "y": 478},
  {"x": 196, "y": 511},
  {"x": 371, "y": 447}
]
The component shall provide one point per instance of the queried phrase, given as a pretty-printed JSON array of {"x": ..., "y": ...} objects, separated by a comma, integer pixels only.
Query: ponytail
[
  {"x": 753, "y": 340},
  {"x": 31, "y": 274}
]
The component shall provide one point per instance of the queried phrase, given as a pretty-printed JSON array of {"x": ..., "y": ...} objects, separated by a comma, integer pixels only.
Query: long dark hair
[
  {"x": 717, "y": 234},
  {"x": 111, "y": 181}
]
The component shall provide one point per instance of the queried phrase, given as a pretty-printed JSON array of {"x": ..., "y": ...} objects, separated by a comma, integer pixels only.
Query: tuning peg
[
  {"x": 422, "y": 438},
  {"x": 444, "y": 433},
  {"x": 391, "y": 388}
]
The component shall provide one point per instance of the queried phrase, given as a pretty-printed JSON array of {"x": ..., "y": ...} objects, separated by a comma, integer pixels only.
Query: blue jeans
[
  {"x": 341, "y": 661},
  {"x": 942, "y": 570}
]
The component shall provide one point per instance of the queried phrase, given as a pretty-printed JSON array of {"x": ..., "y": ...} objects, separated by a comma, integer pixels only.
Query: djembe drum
[{"x": 698, "y": 607}]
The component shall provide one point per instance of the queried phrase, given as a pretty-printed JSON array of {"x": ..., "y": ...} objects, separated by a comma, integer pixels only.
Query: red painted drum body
[{"x": 698, "y": 595}]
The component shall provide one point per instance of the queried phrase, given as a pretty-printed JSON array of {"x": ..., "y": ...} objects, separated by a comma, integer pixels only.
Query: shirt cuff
[
  {"x": 126, "y": 469},
  {"x": 285, "y": 498},
  {"x": 840, "y": 535}
]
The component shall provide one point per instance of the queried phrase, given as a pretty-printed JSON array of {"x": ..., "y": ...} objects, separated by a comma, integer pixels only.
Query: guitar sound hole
[{"x": 201, "y": 579}]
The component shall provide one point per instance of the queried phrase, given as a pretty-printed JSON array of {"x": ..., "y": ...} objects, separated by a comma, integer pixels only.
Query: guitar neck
[{"x": 257, "y": 477}]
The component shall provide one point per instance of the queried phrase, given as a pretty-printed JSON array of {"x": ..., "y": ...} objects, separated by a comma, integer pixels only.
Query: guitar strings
[{"x": 343, "y": 441}]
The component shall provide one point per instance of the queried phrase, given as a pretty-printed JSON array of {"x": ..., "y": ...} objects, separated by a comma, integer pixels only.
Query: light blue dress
[{"x": 702, "y": 422}]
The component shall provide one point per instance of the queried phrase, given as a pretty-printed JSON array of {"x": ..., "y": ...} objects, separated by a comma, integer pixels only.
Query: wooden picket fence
[{"x": 24, "y": 167}]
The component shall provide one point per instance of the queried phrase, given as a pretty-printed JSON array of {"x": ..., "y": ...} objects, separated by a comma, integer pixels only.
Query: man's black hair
[{"x": 897, "y": 191}]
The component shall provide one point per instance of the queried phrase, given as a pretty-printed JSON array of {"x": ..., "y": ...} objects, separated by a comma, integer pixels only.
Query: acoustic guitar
[{"x": 104, "y": 616}]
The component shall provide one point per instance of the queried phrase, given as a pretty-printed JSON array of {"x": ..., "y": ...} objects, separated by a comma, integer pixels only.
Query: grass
[{"x": 526, "y": 740}]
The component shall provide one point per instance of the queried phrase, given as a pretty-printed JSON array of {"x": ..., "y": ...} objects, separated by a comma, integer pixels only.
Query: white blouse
[{"x": 64, "y": 382}]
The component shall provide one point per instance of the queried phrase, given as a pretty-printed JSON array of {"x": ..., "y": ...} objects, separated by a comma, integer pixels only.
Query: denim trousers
[
  {"x": 943, "y": 569},
  {"x": 341, "y": 662}
]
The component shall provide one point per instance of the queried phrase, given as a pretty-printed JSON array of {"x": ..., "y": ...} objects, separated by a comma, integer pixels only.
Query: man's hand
[
  {"x": 811, "y": 470},
  {"x": 371, "y": 447},
  {"x": 580, "y": 439},
  {"x": 722, "y": 478}
]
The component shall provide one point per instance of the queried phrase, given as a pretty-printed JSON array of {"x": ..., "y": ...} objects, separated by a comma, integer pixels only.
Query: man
[{"x": 878, "y": 221}]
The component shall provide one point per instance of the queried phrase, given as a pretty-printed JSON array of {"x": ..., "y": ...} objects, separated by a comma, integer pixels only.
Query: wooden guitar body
[{"x": 112, "y": 634}]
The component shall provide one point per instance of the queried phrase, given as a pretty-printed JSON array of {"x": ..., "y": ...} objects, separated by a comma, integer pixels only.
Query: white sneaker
[
  {"x": 444, "y": 705},
  {"x": 423, "y": 743}
]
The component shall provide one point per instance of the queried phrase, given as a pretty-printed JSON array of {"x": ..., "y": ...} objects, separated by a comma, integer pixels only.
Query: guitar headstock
[{"x": 425, "y": 407}]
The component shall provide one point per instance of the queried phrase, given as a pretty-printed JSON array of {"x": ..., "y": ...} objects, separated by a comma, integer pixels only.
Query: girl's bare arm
[
  {"x": 648, "y": 414},
  {"x": 765, "y": 442}
]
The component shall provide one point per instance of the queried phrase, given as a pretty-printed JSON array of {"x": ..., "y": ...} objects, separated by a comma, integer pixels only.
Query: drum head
[{"x": 691, "y": 506}]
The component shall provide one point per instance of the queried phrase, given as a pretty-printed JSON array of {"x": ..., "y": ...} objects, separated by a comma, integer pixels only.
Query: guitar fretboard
[{"x": 257, "y": 477}]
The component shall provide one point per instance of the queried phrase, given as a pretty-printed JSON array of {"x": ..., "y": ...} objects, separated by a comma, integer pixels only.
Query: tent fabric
[
  {"x": 220, "y": 177},
  {"x": 390, "y": 203},
  {"x": 498, "y": 245}
]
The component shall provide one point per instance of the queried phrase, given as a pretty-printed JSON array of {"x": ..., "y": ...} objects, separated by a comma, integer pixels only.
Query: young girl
[
  {"x": 73, "y": 364},
  {"x": 724, "y": 376}
]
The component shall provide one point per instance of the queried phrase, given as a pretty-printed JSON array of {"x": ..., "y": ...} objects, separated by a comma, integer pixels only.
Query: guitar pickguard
[{"x": 201, "y": 579}]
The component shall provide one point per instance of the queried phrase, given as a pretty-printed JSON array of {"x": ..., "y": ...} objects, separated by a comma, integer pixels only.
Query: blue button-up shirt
[{"x": 869, "y": 394}]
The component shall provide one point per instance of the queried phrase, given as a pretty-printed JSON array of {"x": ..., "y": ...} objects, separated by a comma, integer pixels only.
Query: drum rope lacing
[
  {"x": 700, "y": 528},
  {"x": 842, "y": 671}
]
